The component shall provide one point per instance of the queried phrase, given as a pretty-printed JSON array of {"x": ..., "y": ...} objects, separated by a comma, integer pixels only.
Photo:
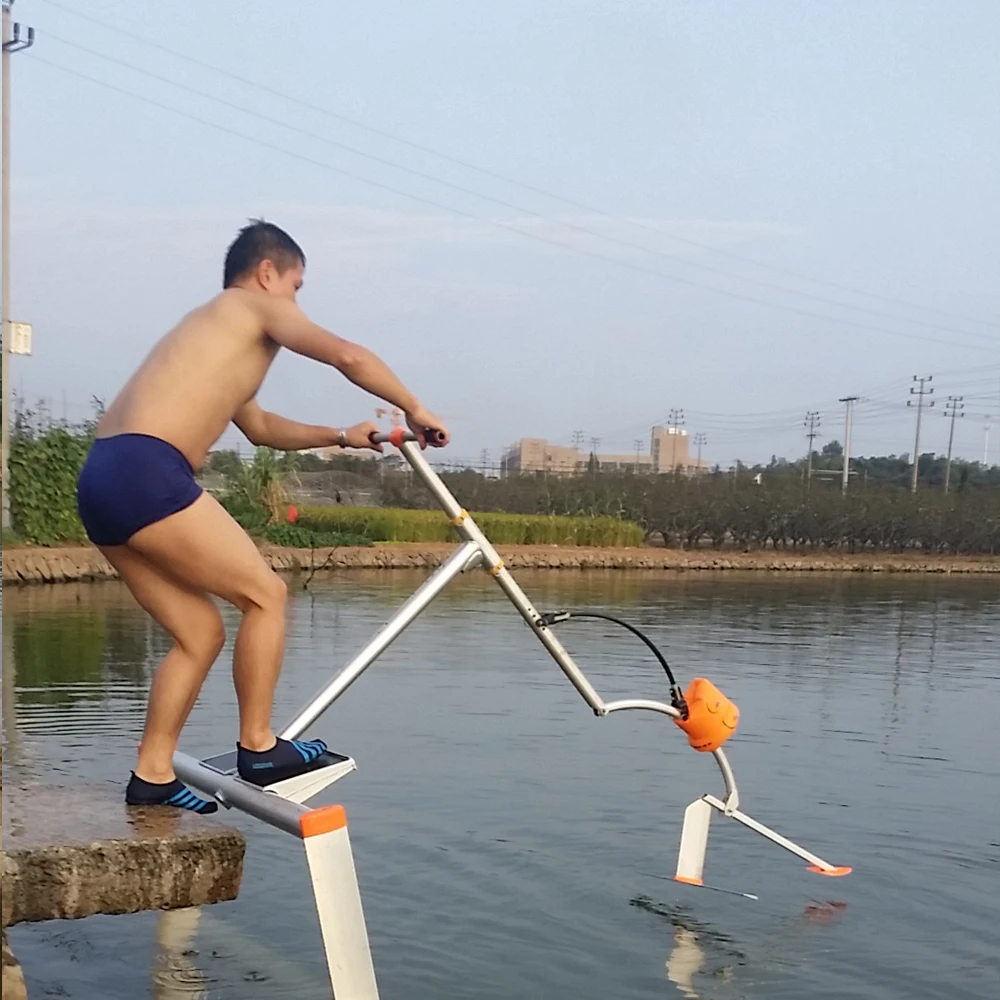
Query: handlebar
[{"x": 400, "y": 434}]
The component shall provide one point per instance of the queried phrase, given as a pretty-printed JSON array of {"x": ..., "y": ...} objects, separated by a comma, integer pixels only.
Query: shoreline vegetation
[
  {"x": 30, "y": 564},
  {"x": 309, "y": 515}
]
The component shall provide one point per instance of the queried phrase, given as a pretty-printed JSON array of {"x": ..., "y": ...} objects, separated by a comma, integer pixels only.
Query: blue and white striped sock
[
  {"x": 172, "y": 793},
  {"x": 284, "y": 760}
]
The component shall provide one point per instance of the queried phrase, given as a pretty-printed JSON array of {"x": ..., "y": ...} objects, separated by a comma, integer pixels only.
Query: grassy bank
[
  {"x": 380, "y": 524},
  {"x": 44, "y": 564}
]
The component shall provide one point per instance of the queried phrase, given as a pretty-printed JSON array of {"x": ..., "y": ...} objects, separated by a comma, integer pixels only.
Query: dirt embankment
[{"x": 29, "y": 564}]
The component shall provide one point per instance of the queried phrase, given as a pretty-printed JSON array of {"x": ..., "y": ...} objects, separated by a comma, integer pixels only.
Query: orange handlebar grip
[
  {"x": 396, "y": 436},
  {"x": 712, "y": 717}
]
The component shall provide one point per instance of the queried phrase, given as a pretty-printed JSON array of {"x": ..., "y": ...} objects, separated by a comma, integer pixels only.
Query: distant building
[{"x": 668, "y": 451}]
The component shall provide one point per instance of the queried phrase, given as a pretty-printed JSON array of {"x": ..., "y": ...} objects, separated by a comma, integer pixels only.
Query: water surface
[{"x": 511, "y": 845}]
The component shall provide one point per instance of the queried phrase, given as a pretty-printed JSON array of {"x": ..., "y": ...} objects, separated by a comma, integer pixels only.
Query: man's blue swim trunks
[{"x": 130, "y": 481}]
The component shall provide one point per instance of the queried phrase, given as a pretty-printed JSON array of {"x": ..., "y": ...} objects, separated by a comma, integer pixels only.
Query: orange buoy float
[{"x": 712, "y": 717}]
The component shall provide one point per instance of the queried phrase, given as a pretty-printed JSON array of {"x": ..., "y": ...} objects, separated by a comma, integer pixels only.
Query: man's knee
[
  {"x": 269, "y": 593},
  {"x": 203, "y": 638}
]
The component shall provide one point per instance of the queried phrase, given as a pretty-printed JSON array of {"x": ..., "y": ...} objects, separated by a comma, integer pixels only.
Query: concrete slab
[{"x": 76, "y": 851}]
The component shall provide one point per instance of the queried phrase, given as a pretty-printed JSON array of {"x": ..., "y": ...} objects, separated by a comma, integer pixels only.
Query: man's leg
[
  {"x": 196, "y": 627},
  {"x": 206, "y": 550}
]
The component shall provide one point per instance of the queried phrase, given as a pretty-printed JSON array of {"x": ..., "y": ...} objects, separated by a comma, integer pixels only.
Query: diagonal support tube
[{"x": 463, "y": 558}]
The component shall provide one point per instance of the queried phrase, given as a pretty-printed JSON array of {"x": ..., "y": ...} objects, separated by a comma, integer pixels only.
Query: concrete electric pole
[
  {"x": 700, "y": 440},
  {"x": 811, "y": 425},
  {"x": 920, "y": 392},
  {"x": 849, "y": 402},
  {"x": 12, "y": 42},
  {"x": 676, "y": 422},
  {"x": 953, "y": 409}
]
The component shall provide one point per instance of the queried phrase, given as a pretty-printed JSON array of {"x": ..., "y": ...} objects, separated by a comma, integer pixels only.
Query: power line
[
  {"x": 537, "y": 190},
  {"x": 495, "y": 222},
  {"x": 574, "y": 227}
]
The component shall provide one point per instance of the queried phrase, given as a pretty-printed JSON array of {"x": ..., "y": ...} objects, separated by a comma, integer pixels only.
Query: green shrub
[
  {"x": 300, "y": 537},
  {"x": 45, "y": 462},
  {"x": 380, "y": 524}
]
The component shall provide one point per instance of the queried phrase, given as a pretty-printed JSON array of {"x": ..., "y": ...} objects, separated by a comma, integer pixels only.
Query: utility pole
[
  {"x": 952, "y": 408},
  {"x": 849, "y": 402},
  {"x": 920, "y": 392},
  {"x": 595, "y": 443},
  {"x": 986, "y": 442},
  {"x": 12, "y": 42},
  {"x": 811, "y": 424},
  {"x": 699, "y": 440},
  {"x": 676, "y": 421},
  {"x": 637, "y": 444}
]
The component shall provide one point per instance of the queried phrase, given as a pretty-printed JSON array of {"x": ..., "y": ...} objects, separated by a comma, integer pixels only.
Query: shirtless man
[{"x": 172, "y": 543}]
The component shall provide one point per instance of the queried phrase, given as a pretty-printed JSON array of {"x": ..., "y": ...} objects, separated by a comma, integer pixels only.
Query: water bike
[{"x": 705, "y": 716}]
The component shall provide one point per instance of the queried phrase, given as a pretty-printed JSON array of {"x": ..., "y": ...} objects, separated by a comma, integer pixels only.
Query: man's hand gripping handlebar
[{"x": 430, "y": 436}]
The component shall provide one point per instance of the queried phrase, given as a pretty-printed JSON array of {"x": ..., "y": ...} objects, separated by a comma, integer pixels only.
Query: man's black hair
[{"x": 259, "y": 241}]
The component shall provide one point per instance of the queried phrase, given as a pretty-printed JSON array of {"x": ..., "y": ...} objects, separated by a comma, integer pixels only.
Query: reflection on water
[
  {"x": 175, "y": 974},
  {"x": 501, "y": 832}
]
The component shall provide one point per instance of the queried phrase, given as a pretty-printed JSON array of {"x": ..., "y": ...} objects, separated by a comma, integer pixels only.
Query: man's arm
[
  {"x": 273, "y": 431},
  {"x": 286, "y": 324}
]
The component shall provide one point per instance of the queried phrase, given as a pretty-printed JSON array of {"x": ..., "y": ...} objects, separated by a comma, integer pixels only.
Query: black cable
[{"x": 677, "y": 696}]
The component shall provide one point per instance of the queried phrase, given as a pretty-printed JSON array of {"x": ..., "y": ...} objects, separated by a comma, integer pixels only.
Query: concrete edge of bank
[{"x": 31, "y": 565}]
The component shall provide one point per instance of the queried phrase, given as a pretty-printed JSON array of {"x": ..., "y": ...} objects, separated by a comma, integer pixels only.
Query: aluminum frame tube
[
  {"x": 469, "y": 530},
  {"x": 231, "y": 792},
  {"x": 772, "y": 835},
  {"x": 453, "y": 566}
]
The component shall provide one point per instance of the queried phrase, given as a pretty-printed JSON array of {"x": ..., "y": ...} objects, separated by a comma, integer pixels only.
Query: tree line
[{"x": 722, "y": 511}]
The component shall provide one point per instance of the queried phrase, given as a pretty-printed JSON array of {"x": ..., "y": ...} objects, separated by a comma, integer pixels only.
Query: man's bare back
[
  {"x": 195, "y": 379},
  {"x": 172, "y": 543},
  {"x": 208, "y": 369}
]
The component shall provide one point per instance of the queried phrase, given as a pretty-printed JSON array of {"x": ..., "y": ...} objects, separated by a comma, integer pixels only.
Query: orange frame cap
[{"x": 326, "y": 819}]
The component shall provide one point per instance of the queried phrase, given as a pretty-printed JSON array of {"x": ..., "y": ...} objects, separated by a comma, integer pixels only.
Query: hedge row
[
  {"x": 776, "y": 513},
  {"x": 381, "y": 524}
]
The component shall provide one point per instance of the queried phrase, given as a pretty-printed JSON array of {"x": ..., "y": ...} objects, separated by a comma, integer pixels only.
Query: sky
[{"x": 547, "y": 217}]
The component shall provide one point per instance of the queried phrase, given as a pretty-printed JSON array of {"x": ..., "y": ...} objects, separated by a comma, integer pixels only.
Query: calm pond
[{"x": 510, "y": 845}]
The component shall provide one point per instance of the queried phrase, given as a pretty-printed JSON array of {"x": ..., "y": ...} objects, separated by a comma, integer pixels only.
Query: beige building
[{"x": 668, "y": 451}]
